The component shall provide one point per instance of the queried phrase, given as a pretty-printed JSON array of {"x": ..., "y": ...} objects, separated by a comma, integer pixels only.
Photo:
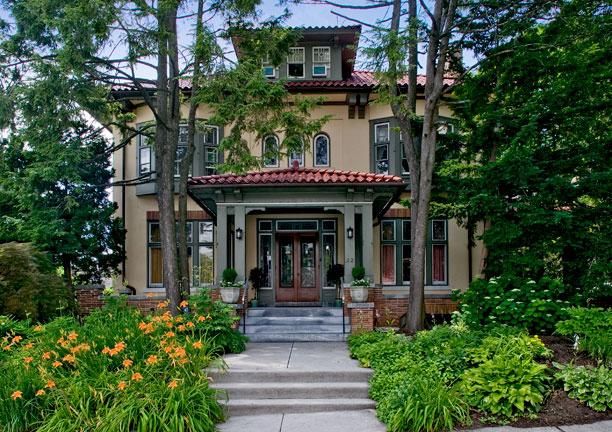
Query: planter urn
[
  {"x": 359, "y": 294},
  {"x": 230, "y": 294}
]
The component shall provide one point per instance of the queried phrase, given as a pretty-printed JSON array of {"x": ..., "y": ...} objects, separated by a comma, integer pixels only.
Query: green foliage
[
  {"x": 593, "y": 326},
  {"x": 257, "y": 277},
  {"x": 29, "y": 286},
  {"x": 506, "y": 386},
  {"x": 229, "y": 275},
  {"x": 218, "y": 326},
  {"x": 118, "y": 371},
  {"x": 514, "y": 301},
  {"x": 506, "y": 344},
  {"x": 535, "y": 159},
  {"x": 589, "y": 385},
  {"x": 358, "y": 272},
  {"x": 388, "y": 347},
  {"x": 427, "y": 404}
]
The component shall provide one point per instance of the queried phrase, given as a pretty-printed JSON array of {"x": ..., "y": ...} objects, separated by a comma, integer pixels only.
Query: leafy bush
[
  {"x": 506, "y": 386},
  {"x": 513, "y": 301},
  {"x": 593, "y": 326},
  {"x": 358, "y": 272},
  {"x": 29, "y": 286},
  {"x": 592, "y": 386},
  {"x": 426, "y": 403},
  {"x": 229, "y": 275},
  {"x": 386, "y": 350},
  {"x": 119, "y": 371},
  {"x": 218, "y": 323},
  {"x": 505, "y": 344}
]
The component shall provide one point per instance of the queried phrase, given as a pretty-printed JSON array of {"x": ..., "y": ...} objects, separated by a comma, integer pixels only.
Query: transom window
[
  {"x": 321, "y": 150},
  {"x": 295, "y": 62},
  {"x": 270, "y": 151},
  {"x": 321, "y": 57}
]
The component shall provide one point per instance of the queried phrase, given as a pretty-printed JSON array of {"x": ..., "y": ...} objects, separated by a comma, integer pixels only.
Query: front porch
[{"x": 294, "y": 224}]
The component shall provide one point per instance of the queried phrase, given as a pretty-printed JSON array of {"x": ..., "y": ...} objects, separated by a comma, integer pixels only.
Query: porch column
[
  {"x": 368, "y": 241},
  {"x": 239, "y": 244},
  {"x": 349, "y": 243},
  {"x": 221, "y": 252}
]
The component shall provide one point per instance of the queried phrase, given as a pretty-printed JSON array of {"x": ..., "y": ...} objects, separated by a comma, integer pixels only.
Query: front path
[{"x": 343, "y": 400}]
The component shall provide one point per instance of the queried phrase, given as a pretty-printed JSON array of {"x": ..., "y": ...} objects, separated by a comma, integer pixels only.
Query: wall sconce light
[
  {"x": 239, "y": 233},
  {"x": 349, "y": 232}
]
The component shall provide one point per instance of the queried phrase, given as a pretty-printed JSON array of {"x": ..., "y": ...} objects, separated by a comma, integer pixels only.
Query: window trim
[
  {"x": 140, "y": 141},
  {"x": 302, "y": 159},
  {"x": 314, "y": 149},
  {"x": 264, "y": 151},
  {"x": 303, "y": 62},
  {"x": 326, "y": 64}
]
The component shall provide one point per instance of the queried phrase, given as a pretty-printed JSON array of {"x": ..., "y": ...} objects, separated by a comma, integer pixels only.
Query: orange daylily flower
[
  {"x": 27, "y": 360},
  {"x": 178, "y": 319},
  {"x": 46, "y": 355},
  {"x": 181, "y": 328},
  {"x": 127, "y": 363},
  {"x": 17, "y": 339},
  {"x": 56, "y": 364},
  {"x": 50, "y": 384},
  {"x": 122, "y": 385},
  {"x": 201, "y": 318},
  {"x": 69, "y": 358},
  {"x": 73, "y": 336},
  {"x": 169, "y": 334},
  {"x": 38, "y": 328},
  {"x": 169, "y": 324},
  {"x": 136, "y": 377},
  {"x": 28, "y": 346},
  {"x": 162, "y": 305},
  {"x": 142, "y": 325},
  {"x": 198, "y": 344},
  {"x": 151, "y": 360},
  {"x": 184, "y": 303},
  {"x": 106, "y": 350},
  {"x": 40, "y": 392},
  {"x": 168, "y": 349},
  {"x": 173, "y": 384},
  {"x": 17, "y": 395},
  {"x": 190, "y": 324}
]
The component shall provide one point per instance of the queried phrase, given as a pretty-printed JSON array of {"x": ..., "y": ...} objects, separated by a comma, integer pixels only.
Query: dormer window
[
  {"x": 320, "y": 61},
  {"x": 295, "y": 63},
  {"x": 268, "y": 69}
]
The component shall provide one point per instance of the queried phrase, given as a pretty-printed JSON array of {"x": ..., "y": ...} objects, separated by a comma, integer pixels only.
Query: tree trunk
[
  {"x": 67, "y": 266},
  {"x": 187, "y": 161},
  {"x": 166, "y": 138}
]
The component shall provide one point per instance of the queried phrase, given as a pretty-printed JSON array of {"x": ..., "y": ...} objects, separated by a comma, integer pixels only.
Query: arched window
[
  {"x": 321, "y": 150},
  {"x": 270, "y": 151}
]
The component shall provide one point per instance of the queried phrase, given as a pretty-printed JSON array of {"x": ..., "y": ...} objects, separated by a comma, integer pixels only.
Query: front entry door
[{"x": 297, "y": 278}]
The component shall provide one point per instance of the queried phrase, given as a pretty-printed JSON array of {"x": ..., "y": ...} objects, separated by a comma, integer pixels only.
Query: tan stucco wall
[{"x": 350, "y": 150}]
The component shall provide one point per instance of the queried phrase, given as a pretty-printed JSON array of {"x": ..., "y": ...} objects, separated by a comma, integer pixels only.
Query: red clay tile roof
[
  {"x": 360, "y": 80},
  {"x": 300, "y": 176}
]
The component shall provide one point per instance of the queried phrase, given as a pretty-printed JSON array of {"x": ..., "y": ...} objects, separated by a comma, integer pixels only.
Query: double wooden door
[{"x": 297, "y": 275}]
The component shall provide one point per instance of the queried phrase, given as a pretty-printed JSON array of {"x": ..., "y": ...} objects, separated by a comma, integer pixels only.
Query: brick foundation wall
[
  {"x": 89, "y": 297},
  {"x": 362, "y": 318},
  {"x": 388, "y": 310}
]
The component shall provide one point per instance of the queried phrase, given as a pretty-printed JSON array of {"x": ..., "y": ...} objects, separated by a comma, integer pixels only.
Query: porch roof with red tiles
[{"x": 297, "y": 177}]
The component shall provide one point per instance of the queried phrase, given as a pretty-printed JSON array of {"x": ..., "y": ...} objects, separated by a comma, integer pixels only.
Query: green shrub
[
  {"x": 29, "y": 286},
  {"x": 512, "y": 301},
  {"x": 425, "y": 404},
  {"x": 593, "y": 326},
  {"x": 118, "y": 371},
  {"x": 506, "y": 386},
  {"x": 358, "y": 272},
  {"x": 382, "y": 352},
  {"x": 229, "y": 275},
  {"x": 519, "y": 345},
  {"x": 592, "y": 386},
  {"x": 218, "y": 325}
]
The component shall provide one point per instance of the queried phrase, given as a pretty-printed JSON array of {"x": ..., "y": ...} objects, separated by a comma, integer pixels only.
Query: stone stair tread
[
  {"x": 238, "y": 407},
  {"x": 298, "y": 337},
  {"x": 306, "y": 385},
  {"x": 290, "y": 376},
  {"x": 310, "y": 328}
]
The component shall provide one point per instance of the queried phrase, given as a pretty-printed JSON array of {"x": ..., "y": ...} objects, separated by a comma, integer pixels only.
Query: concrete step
[
  {"x": 294, "y": 312},
  {"x": 300, "y": 337},
  {"x": 242, "y": 376},
  {"x": 297, "y": 328},
  {"x": 242, "y": 407},
  {"x": 274, "y": 390},
  {"x": 281, "y": 320}
]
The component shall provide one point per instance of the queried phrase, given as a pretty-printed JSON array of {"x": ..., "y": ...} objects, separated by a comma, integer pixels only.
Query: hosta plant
[{"x": 591, "y": 386}]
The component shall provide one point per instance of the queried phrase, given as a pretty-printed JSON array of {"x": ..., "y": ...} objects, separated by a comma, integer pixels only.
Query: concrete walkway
[{"x": 298, "y": 358}]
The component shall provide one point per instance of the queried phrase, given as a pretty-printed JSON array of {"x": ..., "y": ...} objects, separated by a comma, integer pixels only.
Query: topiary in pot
[
  {"x": 360, "y": 285},
  {"x": 230, "y": 289},
  {"x": 257, "y": 277},
  {"x": 335, "y": 273}
]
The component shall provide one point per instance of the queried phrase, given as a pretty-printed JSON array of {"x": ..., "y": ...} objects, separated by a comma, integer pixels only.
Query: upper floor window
[
  {"x": 269, "y": 70},
  {"x": 181, "y": 150},
  {"x": 295, "y": 62},
  {"x": 210, "y": 142},
  {"x": 321, "y": 57},
  {"x": 270, "y": 151},
  {"x": 321, "y": 150},
  {"x": 405, "y": 166},
  {"x": 297, "y": 156},
  {"x": 381, "y": 148},
  {"x": 145, "y": 156}
]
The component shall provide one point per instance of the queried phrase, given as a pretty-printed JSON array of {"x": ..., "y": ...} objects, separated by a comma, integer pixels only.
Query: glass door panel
[
  {"x": 286, "y": 262},
  {"x": 307, "y": 263}
]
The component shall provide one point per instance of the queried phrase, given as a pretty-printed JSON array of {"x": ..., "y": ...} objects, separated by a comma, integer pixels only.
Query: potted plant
[
  {"x": 360, "y": 285},
  {"x": 257, "y": 277},
  {"x": 230, "y": 289},
  {"x": 335, "y": 273}
]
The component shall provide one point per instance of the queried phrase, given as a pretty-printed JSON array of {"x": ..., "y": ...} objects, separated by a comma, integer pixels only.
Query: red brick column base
[{"x": 362, "y": 317}]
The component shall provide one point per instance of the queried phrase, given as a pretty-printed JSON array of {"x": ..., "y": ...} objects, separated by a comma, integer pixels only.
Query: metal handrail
[{"x": 244, "y": 305}]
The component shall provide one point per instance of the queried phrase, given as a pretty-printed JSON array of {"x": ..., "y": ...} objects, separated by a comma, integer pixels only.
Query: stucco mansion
[{"x": 335, "y": 202}]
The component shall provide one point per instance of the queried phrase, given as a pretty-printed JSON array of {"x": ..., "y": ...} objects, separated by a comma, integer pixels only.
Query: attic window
[
  {"x": 295, "y": 63},
  {"x": 268, "y": 69},
  {"x": 320, "y": 61}
]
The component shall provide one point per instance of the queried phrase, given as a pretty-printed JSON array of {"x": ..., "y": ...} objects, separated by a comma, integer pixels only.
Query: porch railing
[{"x": 245, "y": 304}]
